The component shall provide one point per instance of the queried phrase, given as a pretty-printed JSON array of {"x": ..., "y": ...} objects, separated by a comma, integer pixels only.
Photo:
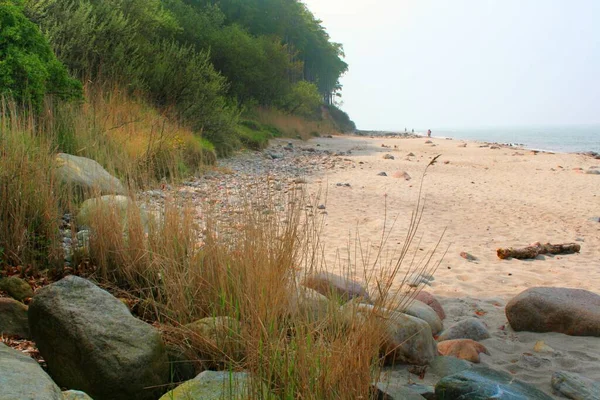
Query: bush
[
  {"x": 28, "y": 68},
  {"x": 304, "y": 99}
]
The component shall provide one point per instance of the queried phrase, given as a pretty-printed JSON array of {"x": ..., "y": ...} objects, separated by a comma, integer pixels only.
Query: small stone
[
  {"x": 575, "y": 386},
  {"x": 321, "y": 206},
  {"x": 410, "y": 155},
  {"x": 470, "y": 328},
  {"x": 16, "y": 288},
  {"x": 465, "y": 349},
  {"x": 402, "y": 175},
  {"x": 432, "y": 302},
  {"x": 467, "y": 256},
  {"x": 382, "y": 174},
  {"x": 542, "y": 347},
  {"x": 335, "y": 286},
  {"x": 388, "y": 157}
]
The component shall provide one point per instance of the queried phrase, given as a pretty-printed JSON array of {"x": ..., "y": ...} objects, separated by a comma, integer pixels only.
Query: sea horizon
[{"x": 554, "y": 138}]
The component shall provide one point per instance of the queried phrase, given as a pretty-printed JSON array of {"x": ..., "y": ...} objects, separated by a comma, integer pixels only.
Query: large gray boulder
[
  {"x": 92, "y": 343},
  {"x": 21, "y": 378},
  {"x": 406, "y": 339},
  {"x": 573, "y": 312},
  {"x": 336, "y": 286},
  {"x": 85, "y": 176},
  {"x": 13, "y": 318},
  {"x": 481, "y": 383},
  {"x": 574, "y": 386}
]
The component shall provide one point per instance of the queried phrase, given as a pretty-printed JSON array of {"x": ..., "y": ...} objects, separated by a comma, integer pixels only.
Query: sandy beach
[{"x": 485, "y": 197}]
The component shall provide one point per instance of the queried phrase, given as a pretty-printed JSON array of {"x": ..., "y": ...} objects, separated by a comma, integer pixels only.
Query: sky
[{"x": 467, "y": 63}]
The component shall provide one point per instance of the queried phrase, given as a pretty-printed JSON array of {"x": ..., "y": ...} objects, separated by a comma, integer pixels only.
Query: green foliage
[
  {"x": 255, "y": 135},
  {"x": 304, "y": 99},
  {"x": 28, "y": 68},
  {"x": 341, "y": 119}
]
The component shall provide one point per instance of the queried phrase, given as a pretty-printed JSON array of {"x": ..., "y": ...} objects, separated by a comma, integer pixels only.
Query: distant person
[{"x": 428, "y": 132}]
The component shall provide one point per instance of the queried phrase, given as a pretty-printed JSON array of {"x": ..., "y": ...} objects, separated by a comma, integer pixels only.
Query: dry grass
[
  {"x": 292, "y": 125},
  {"x": 252, "y": 275},
  {"x": 29, "y": 206}
]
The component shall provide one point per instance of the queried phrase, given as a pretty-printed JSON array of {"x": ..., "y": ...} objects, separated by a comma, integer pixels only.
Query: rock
[
  {"x": 470, "y": 328},
  {"x": 481, "y": 383},
  {"x": 212, "y": 385},
  {"x": 321, "y": 207},
  {"x": 13, "y": 318},
  {"x": 443, "y": 366},
  {"x": 422, "y": 311},
  {"x": 181, "y": 367},
  {"x": 410, "y": 155},
  {"x": 335, "y": 286},
  {"x": 123, "y": 205},
  {"x": 75, "y": 395},
  {"x": 432, "y": 302},
  {"x": 382, "y": 174},
  {"x": 21, "y": 377},
  {"x": 465, "y": 349},
  {"x": 428, "y": 142},
  {"x": 16, "y": 288},
  {"x": 395, "y": 391},
  {"x": 462, "y": 145},
  {"x": 222, "y": 338},
  {"x": 402, "y": 175},
  {"x": 541, "y": 347},
  {"x": 467, "y": 256},
  {"x": 388, "y": 157},
  {"x": 407, "y": 340},
  {"x": 592, "y": 172},
  {"x": 574, "y": 386},
  {"x": 309, "y": 303},
  {"x": 91, "y": 342},
  {"x": 86, "y": 176},
  {"x": 428, "y": 392},
  {"x": 573, "y": 312}
]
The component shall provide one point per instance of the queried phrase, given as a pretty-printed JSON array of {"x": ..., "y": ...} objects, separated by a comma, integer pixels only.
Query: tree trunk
[{"x": 536, "y": 249}]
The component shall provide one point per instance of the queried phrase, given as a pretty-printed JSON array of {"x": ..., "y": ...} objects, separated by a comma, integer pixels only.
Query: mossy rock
[{"x": 16, "y": 288}]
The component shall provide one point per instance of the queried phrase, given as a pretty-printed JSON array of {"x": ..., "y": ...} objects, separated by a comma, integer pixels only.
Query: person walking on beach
[{"x": 428, "y": 132}]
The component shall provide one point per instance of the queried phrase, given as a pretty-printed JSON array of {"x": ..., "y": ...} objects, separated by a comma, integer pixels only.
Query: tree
[{"x": 29, "y": 70}]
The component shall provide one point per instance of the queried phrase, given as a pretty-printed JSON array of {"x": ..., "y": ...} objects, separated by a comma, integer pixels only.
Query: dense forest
[{"x": 206, "y": 64}]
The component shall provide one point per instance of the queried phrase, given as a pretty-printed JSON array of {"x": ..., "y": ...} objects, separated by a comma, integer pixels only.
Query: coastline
[{"x": 483, "y": 196}]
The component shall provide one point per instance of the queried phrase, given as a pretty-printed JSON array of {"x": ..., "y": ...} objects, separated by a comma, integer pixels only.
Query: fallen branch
[{"x": 536, "y": 249}]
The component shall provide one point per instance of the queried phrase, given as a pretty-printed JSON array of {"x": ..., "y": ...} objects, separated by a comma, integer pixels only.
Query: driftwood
[{"x": 536, "y": 249}]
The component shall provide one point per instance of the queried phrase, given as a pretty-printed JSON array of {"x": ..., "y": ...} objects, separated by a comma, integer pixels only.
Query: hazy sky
[{"x": 465, "y": 63}]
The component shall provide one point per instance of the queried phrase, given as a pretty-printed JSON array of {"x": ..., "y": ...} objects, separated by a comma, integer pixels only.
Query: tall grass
[
  {"x": 29, "y": 204},
  {"x": 249, "y": 269},
  {"x": 293, "y": 125}
]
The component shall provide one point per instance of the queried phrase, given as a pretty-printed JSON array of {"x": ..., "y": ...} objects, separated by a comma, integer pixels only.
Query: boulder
[
  {"x": 395, "y": 391},
  {"x": 470, "y": 328},
  {"x": 212, "y": 385},
  {"x": 443, "y": 366},
  {"x": 422, "y": 311},
  {"x": 406, "y": 339},
  {"x": 573, "y": 312},
  {"x": 91, "y": 342},
  {"x": 85, "y": 176},
  {"x": 574, "y": 386},
  {"x": 335, "y": 286},
  {"x": 465, "y": 349},
  {"x": 220, "y": 339},
  {"x": 16, "y": 288},
  {"x": 432, "y": 302},
  {"x": 13, "y": 318},
  {"x": 481, "y": 383},
  {"x": 21, "y": 377},
  {"x": 309, "y": 304},
  {"x": 75, "y": 395},
  {"x": 105, "y": 205}
]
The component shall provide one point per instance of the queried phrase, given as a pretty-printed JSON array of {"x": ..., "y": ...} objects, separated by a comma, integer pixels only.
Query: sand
[{"x": 485, "y": 198}]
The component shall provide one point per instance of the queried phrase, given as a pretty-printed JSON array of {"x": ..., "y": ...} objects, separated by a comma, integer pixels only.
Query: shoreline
[
  {"x": 483, "y": 197},
  {"x": 522, "y": 146}
]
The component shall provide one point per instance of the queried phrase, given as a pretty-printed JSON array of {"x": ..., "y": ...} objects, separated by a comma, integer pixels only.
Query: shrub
[{"x": 28, "y": 68}]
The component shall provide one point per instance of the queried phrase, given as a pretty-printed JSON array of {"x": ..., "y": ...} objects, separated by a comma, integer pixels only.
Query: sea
[{"x": 561, "y": 139}]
